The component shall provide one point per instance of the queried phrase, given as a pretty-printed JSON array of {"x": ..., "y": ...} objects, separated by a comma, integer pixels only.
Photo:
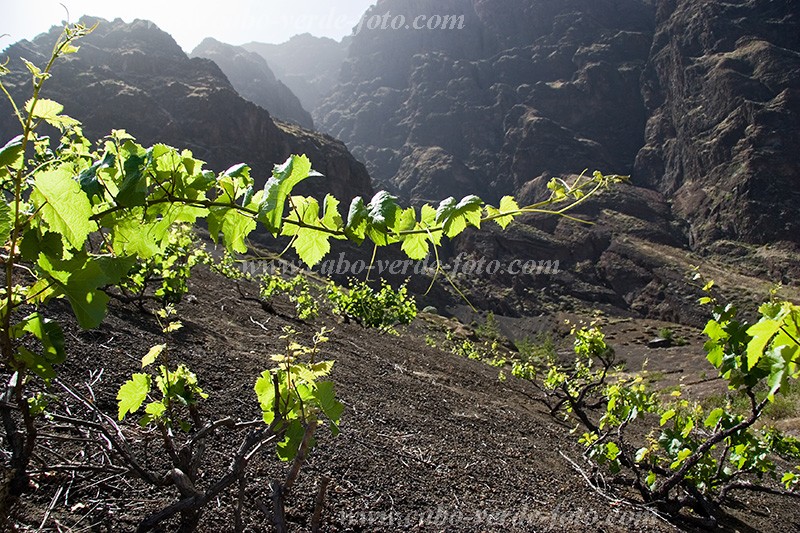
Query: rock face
[
  {"x": 523, "y": 89},
  {"x": 697, "y": 100},
  {"x": 722, "y": 88},
  {"x": 135, "y": 76},
  {"x": 308, "y": 65},
  {"x": 252, "y": 78}
]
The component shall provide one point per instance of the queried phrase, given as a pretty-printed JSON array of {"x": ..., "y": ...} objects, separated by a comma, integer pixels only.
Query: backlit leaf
[
  {"x": 11, "y": 154},
  {"x": 66, "y": 209},
  {"x": 152, "y": 354},
  {"x": 132, "y": 394},
  {"x": 279, "y": 187}
]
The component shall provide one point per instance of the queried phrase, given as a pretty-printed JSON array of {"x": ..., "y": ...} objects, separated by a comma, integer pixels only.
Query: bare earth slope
[{"x": 429, "y": 442}]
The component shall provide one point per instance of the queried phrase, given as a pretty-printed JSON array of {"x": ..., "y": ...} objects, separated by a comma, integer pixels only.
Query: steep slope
[
  {"x": 308, "y": 65},
  {"x": 134, "y": 76},
  {"x": 252, "y": 78},
  {"x": 533, "y": 89},
  {"x": 722, "y": 89},
  {"x": 429, "y": 441}
]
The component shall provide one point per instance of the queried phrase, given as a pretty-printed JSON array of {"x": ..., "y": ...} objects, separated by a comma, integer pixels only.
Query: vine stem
[
  {"x": 661, "y": 492},
  {"x": 537, "y": 208},
  {"x": 22, "y": 445}
]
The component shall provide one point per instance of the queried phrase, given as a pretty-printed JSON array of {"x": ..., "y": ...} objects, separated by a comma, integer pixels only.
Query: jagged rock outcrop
[
  {"x": 697, "y": 100},
  {"x": 135, "y": 77},
  {"x": 722, "y": 88},
  {"x": 523, "y": 89},
  {"x": 252, "y": 78},
  {"x": 308, "y": 65}
]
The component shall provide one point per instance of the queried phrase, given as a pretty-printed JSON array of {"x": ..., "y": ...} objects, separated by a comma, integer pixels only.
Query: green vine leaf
[
  {"x": 279, "y": 187},
  {"x": 6, "y": 222},
  {"x": 762, "y": 333},
  {"x": 64, "y": 206},
  {"x": 454, "y": 217},
  {"x": 382, "y": 213},
  {"x": 49, "y": 333},
  {"x": 80, "y": 278},
  {"x": 416, "y": 246},
  {"x": 265, "y": 391},
  {"x": 311, "y": 245},
  {"x": 330, "y": 406},
  {"x": 331, "y": 218},
  {"x": 356, "y": 226},
  {"x": 51, "y": 337},
  {"x": 131, "y": 237},
  {"x": 43, "y": 108},
  {"x": 507, "y": 204},
  {"x": 287, "y": 449},
  {"x": 133, "y": 190},
  {"x": 235, "y": 182},
  {"x": 428, "y": 222},
  {"x": 152, "y": 354},
  {"x": 132, "y": 394},
  {"x": 236, "y": 226},
  {"x": 11, "y": 154}
]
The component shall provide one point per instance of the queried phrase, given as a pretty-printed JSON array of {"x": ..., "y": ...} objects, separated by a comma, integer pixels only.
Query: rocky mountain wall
[
  {"x": 522, "y": 90},
  {"x": 308, "y": 65},
  {"x": 253, "y": 79},
  {"x": 697, "y": 100},
  {"x": 722, "y": 90},
  {"x": 136, "y": 77}
]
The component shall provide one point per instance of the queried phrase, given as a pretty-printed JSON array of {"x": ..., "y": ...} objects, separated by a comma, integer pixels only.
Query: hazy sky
[{"x": 230, "y": 21}]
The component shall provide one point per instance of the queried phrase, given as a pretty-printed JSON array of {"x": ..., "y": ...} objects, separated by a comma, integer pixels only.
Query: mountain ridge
[
  {"x": 253, "y": 79},
  {"x": 134, "y": 76}
]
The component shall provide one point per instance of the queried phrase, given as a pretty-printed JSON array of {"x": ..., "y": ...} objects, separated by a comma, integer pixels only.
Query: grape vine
[
  {"x": 697, "y": 456},
  {"x": 77, "y": 219}
]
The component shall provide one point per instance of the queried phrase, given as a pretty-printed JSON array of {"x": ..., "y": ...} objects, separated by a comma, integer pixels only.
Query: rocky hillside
[
  {"x": 697, "y": 101},
  {"x": 135, "y": 76},
  {"x": 552, "y": 88},
  {"x": 308, "y": 65},
  {"x": 722, "y": 90},
  {"x": 252, "y": 78}
]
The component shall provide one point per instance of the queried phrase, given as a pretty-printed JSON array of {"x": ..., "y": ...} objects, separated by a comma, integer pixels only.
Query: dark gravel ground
[{"x": 429, "y": 441}]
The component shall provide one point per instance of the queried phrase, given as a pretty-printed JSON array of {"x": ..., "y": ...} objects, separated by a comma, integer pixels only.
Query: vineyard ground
[{"x": 430, "y": 441}]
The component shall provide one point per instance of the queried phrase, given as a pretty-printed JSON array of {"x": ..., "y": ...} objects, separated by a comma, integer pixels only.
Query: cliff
[
  {"x": 308, "y": 65},
  {"x": 697, "y": 101},
  {"x": 252, "y": 78},
  {"x": 135, "y": 77}
]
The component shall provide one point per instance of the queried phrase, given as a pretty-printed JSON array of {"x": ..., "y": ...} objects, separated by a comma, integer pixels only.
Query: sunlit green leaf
[
  {"x": 762, "y": 333},
  {"x": 132, "y": 394},
  {"x": 713, "y": 418},
  {"x": 311, "y": 245},
  {"x": 454, "y": 216},
  {"x": 507, "y": 204},
  {"x": 65, "y": 207},
  {"x": 44, "y": 108},
  {"x": 667, "y": 416},
  {"x": 6, "y": 222},
  {"x": 356, "y": 220},
  {"x": 152, "y": 354},
  {"x": 416, "y": 246},
  {"x": 287, "y": 449},
  {"x": 331, "y": 407},
  {"x": 279, "y": 187},
  {"x": 11, "y": 154}
]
